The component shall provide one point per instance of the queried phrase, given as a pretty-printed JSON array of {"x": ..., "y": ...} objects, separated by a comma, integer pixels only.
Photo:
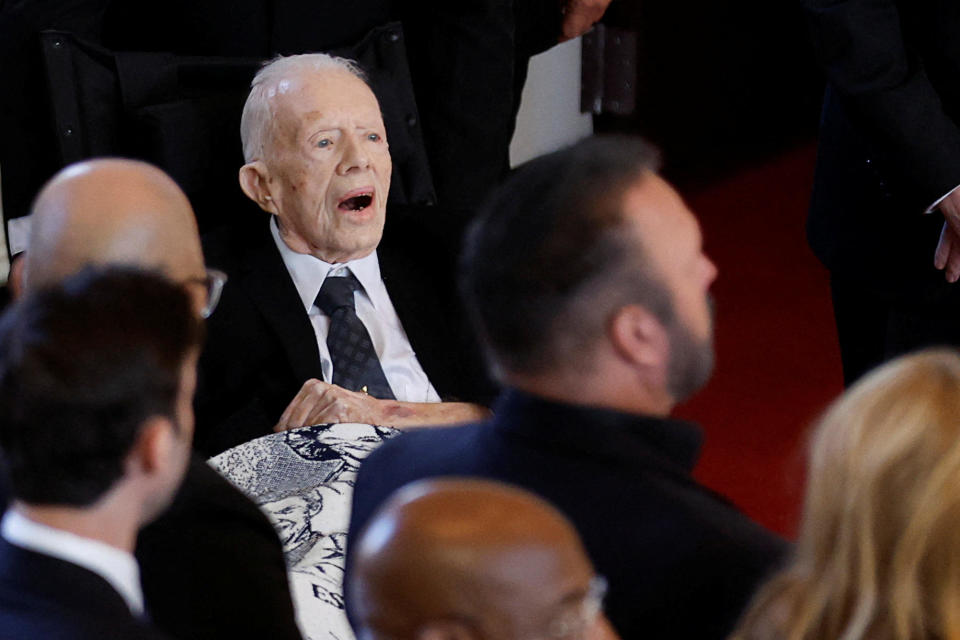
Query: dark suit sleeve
[
  {"x": 260, "y": 345},
  {"x": 876, "y": 71},
  {"x": 212, "y": 566}
]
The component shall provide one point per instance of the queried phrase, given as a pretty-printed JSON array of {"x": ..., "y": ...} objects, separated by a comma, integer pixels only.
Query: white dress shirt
[
  {"x": 116, "y": 566},
  {"x": 407, "y": 378}
]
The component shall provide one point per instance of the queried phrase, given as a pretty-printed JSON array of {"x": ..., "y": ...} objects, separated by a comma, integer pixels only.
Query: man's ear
[
  {"x": 254, "y": 180},
  {"x": 16, "y": 277},
  {"x": 639, "y": 337},
  {"x": 152, "y": 450}
]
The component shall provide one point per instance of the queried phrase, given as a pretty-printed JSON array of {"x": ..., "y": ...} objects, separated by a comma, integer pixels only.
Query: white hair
[{"x": 258, "y": 109}]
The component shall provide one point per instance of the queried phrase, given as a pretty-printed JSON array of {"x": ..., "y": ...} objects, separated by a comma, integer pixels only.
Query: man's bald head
[
  {"x": 112, "y": 211},
  {"x": 470, "y": 558}
]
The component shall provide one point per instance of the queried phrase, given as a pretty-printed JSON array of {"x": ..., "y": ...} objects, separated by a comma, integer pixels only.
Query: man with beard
[{"x": 587, "y": 282}]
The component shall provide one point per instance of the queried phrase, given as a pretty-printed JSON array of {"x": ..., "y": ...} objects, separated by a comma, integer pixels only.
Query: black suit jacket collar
[{"x": 669, "y": 445}]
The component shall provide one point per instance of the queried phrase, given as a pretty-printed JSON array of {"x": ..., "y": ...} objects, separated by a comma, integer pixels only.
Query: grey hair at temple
[{"x": 269, "y": 81}]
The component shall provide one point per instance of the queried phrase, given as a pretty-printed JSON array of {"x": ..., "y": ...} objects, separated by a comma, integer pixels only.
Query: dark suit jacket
[
  {"x": 681, "y": 561},
  {"x": 261, "y": 347},
  {"x": 212, "y": 565},
  {"x": 42, "y": 597},
  {"x": 890, "y": 138}
]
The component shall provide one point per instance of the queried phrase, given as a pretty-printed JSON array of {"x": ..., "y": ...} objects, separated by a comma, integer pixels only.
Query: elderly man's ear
[{"x": 255, "y": 182}]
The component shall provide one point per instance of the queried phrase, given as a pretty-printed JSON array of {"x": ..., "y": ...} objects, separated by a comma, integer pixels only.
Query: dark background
[{"x": 720, "y": 84}]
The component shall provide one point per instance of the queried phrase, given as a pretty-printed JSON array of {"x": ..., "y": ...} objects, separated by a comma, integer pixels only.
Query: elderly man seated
[
  {"x": 316, "y": 325},
  {"x": 469, "y": 558}
]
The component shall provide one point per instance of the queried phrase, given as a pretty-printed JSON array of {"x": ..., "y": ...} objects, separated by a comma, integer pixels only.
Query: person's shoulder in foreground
[
  {"x": 596, "y": 316},
  {"x": 665, "y": 544}
]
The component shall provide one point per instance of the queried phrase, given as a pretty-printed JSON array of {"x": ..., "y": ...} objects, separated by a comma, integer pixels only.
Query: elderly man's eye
[
  {"x": 373, "y": 137},
  {"x": 323, "y": 143}
]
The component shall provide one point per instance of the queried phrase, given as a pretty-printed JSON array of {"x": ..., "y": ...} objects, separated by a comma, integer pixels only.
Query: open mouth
[{"x": 356, "y": 203}]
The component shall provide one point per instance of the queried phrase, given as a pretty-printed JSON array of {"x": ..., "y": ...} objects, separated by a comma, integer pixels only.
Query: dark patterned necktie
[{"x": 355, "y": 363}]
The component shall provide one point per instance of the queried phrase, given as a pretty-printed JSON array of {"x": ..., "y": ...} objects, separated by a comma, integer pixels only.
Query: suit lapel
[{"x": 268, "y": 284}]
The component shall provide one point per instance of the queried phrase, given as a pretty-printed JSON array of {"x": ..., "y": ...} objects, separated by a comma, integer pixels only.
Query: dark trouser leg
[
  {"x": 861, "y": 328},
  {"x": 874, "y": 328}
]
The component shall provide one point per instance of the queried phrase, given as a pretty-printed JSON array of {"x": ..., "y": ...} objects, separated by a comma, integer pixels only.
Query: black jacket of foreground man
[
  {"x": 261, "y": 346},
  {"x": 46, "y": 598},
  {"x": 681, "y": 561},
  {"x": 212, "y": 566}
]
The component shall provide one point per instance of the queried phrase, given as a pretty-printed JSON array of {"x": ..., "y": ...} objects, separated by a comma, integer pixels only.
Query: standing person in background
[
  {"x": 878, "y": 555},
  {"x": 889, "y": 154}
]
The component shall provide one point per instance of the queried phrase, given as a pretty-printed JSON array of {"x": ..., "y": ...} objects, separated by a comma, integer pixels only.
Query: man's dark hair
[
  {"x": 83, "y": 364},
  {"x": 549, "y": 258}
]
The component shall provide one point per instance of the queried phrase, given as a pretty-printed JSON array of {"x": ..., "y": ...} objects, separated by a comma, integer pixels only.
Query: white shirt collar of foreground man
[
  {"x": 116, "y": 566},
  {"x": 407, "y": 378}
]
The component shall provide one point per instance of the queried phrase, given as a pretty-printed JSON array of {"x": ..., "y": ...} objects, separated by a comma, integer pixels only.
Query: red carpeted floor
[{"x": 778, "y": 364}]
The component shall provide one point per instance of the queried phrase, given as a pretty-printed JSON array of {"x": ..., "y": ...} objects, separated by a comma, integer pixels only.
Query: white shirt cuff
[{"x": 936, "y": 204}]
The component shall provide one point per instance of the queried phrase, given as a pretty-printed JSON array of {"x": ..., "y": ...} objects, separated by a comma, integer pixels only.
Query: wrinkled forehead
[{"x": 320, "y": 95}]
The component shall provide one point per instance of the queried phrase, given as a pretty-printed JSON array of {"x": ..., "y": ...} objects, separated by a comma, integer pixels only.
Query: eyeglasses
[
  {"x": 213, "y": 283},
  {"x": 574, "y": 622}
]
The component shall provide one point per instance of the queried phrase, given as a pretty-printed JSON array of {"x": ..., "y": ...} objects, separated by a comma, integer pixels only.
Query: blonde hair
[
  {"x": 878, "y": 555},
  {"x": 258, "y": 109}
]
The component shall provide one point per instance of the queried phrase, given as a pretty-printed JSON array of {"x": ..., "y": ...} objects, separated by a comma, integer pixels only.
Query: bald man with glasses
[{"x": 471, "y": 559}]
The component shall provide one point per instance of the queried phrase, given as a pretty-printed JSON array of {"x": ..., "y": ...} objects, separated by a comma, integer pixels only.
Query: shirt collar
[
  {"x": 116, "y": 566},
  {"x": 309, "y": 272}
]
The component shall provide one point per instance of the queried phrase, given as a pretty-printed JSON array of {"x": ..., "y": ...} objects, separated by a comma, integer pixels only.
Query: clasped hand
[{"x": 319, "y": 402}]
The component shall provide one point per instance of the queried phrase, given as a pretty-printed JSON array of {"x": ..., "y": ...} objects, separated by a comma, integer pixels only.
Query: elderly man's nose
[{"x": 354, "y": 156}]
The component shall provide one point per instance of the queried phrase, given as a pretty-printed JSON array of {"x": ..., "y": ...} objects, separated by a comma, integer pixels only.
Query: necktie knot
[{"x": 337, "y": 293}]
